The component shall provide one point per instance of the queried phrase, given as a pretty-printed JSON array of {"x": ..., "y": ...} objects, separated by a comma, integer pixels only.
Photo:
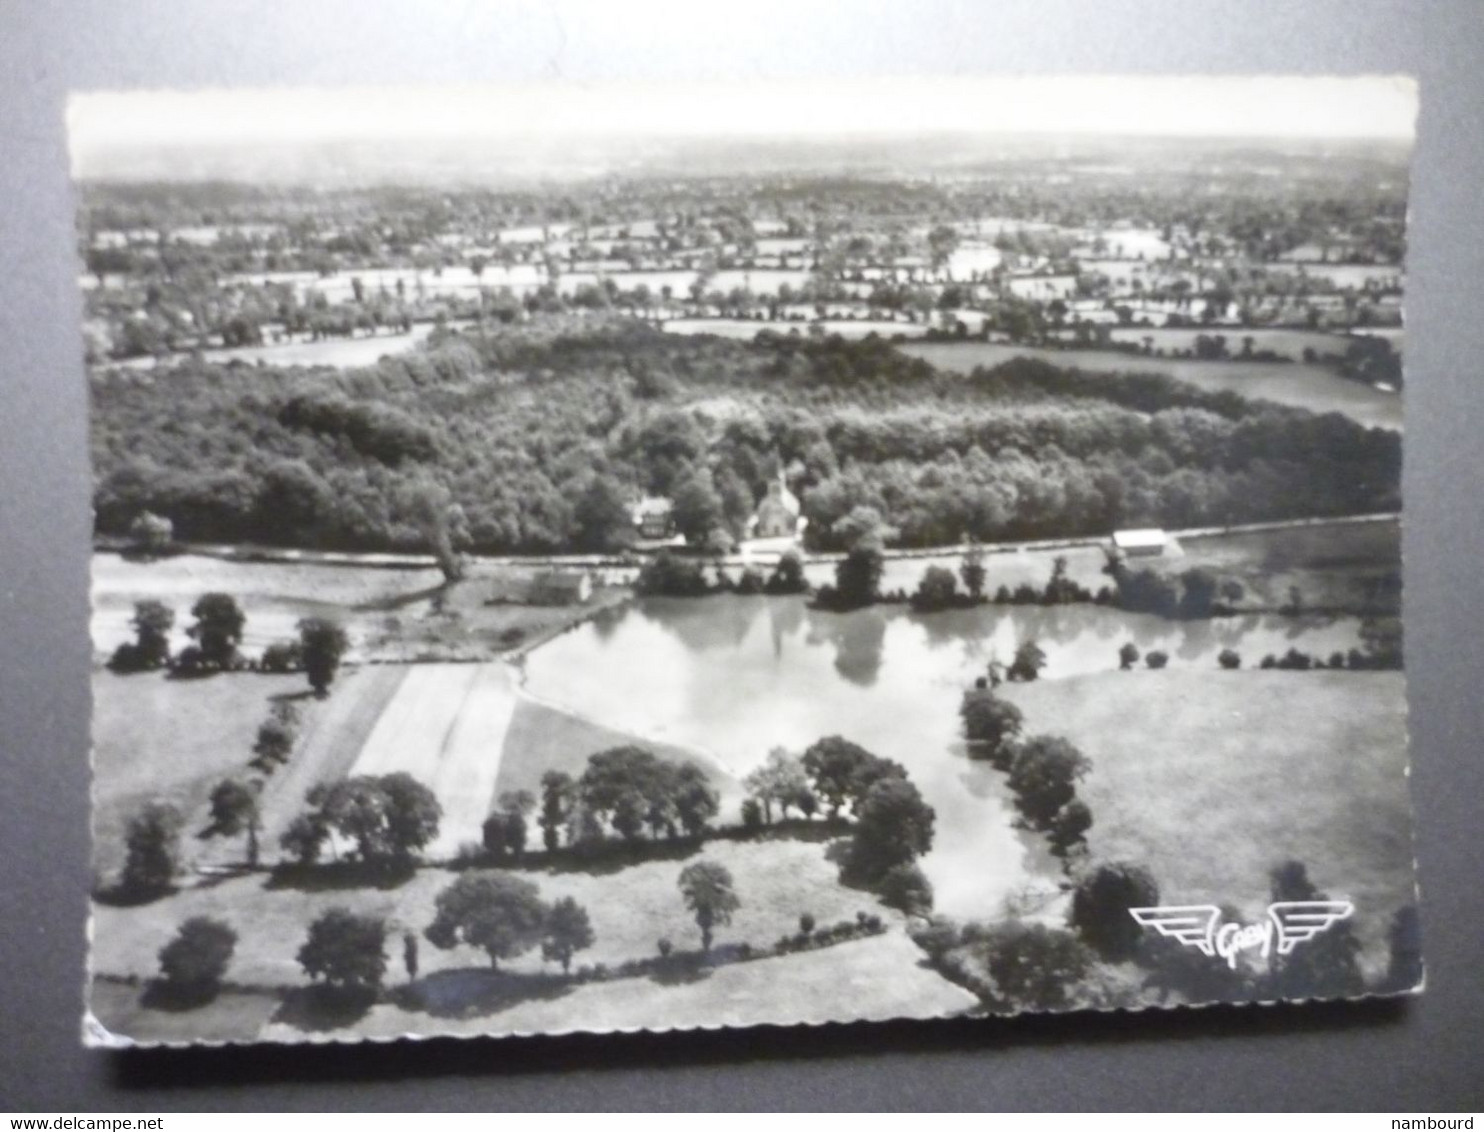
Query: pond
[
  {"x": 1311, "y": 387},
  {"x": 736, "y": 676}
]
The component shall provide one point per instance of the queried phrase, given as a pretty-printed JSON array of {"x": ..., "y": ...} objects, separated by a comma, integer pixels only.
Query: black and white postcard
[{"x": 645, "y": 557}]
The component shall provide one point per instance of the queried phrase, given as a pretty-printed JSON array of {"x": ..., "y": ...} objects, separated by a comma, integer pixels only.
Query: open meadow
[
  {"x": 1312, "y": 387},
  {"x": 1210, "y": 779},
  {"x": 631, "y": 908},
  {"x": 161, "y": 740}
]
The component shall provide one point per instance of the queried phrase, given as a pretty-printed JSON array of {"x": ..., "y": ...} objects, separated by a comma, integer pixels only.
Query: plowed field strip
[
  {"x": 410, "y": 734},
  {"x": 334, "y": 734},
  {"x": 446, "y": 728},
  {"x": 465, "y": 777}
]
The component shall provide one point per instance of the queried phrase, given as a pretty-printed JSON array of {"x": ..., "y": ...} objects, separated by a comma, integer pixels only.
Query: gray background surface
[{"x": 1424, "y": 1055}]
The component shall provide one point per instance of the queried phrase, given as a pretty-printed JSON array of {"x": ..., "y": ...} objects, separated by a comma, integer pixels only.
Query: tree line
[{"x": 541, "y": 436}]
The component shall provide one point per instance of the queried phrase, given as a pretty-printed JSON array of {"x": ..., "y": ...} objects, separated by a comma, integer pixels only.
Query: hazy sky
[{"x": 1278, "y": 107}]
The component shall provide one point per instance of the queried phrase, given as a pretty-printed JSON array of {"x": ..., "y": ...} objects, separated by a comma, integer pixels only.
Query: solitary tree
[
  {"x": 991, "y": 721},
  {"x": 1034, "y": 967},
  {"x": 152, "y": 534},
  {"x": 1044, "y": 774},
  {"x": 858, "y": 576},
  {"x": 1068, "y": 827},
  {"x": 346, "y": 952},
  {"x": 1100, "y": 908},
  {"x": 707, "y": 888},
  {"x": 697, "y": 508},
  {"x": 832, "y": 764},
  {"x": 1030, "y": 658},
  {"x": 152, "y": 622},
  {"x": 218, "y": 629},
  {"x": 505, "y": 829},
  {"x": 788, "y": 575},
  {"x": 498, "y": 913},
  {"x": 556, "y": 804},
  {"x": 429, "y": 507},
  {"x": 234, "y": 810},
  {"x": 275, "y": 742},
  {"x": 696, "y": 800},
  {"x": 305, "y": 838},
  {"x": 1128, "y": 656},
  {"x": 152, "y": 841},
  {"x": 1404, "y": 969},
  {"x": 568, "y": 930},
  {"x": 193, "y": 963},
  {"x": 905, "y": 888},
  {"x": 938, "y": 589},
  {"x": 893, "y": 826},
  {"x": 323, "y": 643},
  {"x": 1326, "y": 966},
  {"x": 781, "y": 780},
  {"x": 972, "y": 572},
  {"x": 389, "y": 818}
]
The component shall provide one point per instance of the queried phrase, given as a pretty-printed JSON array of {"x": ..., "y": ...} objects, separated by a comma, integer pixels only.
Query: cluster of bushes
[
  {"x": 810, "y": 937},
  {"x": 1381, "y": 640},
  {"x": 217, "y": 634},
  {"x": 623, "y": 791},
  {"x": 150, "y": 648},
  {"x": 1194, "y": 593},
  {"x": 669, "y": 575},
  {"x": 1128, "y": 656},
  {"x": 216, "y": 631},
  {"x": 938, "y": 588},
  {"x": 1018, "y": 966},
  {"x": 276, "y": 737},
  {"x": 388, "y": 818},
  {"x": 1059, "y": 590},
  {"x": 1010, "y": 966},
  {"x": 1042, "y": 770}
]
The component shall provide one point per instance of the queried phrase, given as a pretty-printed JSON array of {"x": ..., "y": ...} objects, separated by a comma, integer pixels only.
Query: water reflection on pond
[{"x": 735, "y": 676}]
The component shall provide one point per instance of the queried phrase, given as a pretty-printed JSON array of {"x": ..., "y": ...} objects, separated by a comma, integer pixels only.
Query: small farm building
[{"x": 1143, "y": 543}]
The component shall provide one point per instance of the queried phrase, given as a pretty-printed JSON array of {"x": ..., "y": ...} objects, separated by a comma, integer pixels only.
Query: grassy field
[
  {"x": 1286, "y": 342},
  {"x": 132, "y": 1011},
  {"x": 631, "y": 909},
  {"x": 1211, "y": 779},
  {"x": 389, "y": 613},
  {"x": 873, "y": 979},
  {"x": 1312, "y": 387},
  {"x": 1352, "y": 566},
  {"x": 273, "y": 595},
  {"x": 156, "y": 739}
]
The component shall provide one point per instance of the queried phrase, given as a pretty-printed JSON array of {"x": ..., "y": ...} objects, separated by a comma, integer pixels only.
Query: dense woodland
[{"x": 538, "y": 436}]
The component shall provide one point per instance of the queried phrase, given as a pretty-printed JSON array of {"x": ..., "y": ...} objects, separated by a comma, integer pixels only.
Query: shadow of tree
[
  {"x": 614, "y": 858},
  {"x": 320, "y": 1008},
  {"x": 471, "y": 992},
  {"x": 120, "y": 896},
  {"x": 291, "y": 697},
  {"x": 340, "y": 876},
  {"x": 682, "y": 970},
  {"x": 161, "y": 994},
  {"x": 402, "y": 601}
]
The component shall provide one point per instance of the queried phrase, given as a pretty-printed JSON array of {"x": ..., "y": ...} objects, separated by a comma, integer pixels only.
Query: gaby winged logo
[{"x": 1288, "y": 924}]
